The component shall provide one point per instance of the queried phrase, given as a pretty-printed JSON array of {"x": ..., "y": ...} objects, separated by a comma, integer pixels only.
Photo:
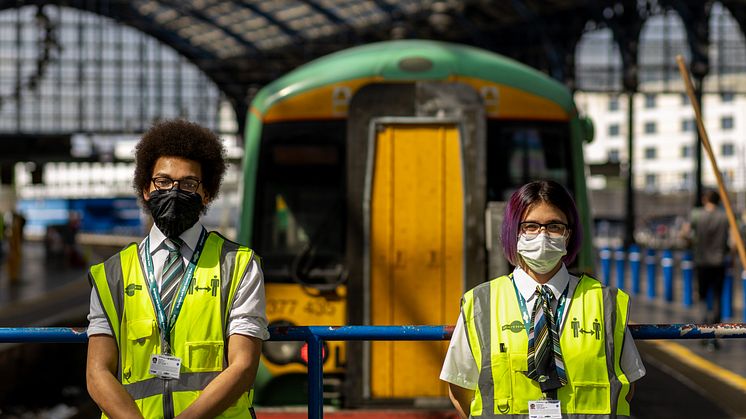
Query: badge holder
[{"x": 165, "y": 366}]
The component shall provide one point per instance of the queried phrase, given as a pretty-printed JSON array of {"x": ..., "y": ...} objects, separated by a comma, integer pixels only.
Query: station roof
[{"x": 244, "y": 43}]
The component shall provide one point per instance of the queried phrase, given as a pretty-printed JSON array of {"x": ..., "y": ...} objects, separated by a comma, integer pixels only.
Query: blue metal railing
[{"x": 315, "y": 336}]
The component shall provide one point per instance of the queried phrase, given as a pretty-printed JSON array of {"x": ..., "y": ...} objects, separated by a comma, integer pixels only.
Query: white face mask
[{"x": 542, "y": 253}]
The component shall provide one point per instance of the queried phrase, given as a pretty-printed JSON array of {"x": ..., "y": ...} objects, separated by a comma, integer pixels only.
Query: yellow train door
[{"x": 416, "y": 251}]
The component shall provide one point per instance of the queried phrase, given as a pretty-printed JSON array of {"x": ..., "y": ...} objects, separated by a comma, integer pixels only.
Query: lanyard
[
  {"x": 153, "y": 287},
  {"x": 527, "y": 316}
]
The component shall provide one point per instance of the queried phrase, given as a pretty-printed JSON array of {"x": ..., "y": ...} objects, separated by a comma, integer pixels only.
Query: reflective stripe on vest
[
  {"x": 198, "y": 336},
  {"x": 591, "y": 341}
]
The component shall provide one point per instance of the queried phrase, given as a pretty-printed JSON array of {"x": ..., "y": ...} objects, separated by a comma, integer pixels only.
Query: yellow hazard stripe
[{"x": 690, "y": 358}]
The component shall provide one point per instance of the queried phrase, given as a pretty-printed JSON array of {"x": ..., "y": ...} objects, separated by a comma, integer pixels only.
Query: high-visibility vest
[
  {"x": 595, "y": 322},
  {"x": 197, "y": 338}
]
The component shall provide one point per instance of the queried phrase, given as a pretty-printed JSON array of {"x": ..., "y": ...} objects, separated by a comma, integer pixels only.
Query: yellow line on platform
[{"x": 692, "y": 359}]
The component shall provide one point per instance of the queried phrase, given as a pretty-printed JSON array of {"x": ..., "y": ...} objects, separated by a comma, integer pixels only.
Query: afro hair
[{"x": 180, "y": 138}]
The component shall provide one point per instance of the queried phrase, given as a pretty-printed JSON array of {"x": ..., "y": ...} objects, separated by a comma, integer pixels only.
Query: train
[{"x": 374, "y": 185}]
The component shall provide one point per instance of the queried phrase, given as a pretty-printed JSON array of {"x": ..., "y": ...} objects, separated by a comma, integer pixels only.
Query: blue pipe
[
  {"x": 743, "y": 284},
  {"x": 687, "y": 273},
  {"x": 651, "y": 268},
  {"x": 726, "y": 311},
  {"x": 301, "y": 333},
  {"x": 634, "y": 268},
  {"x": 667, "y": 264},
  {"x": 605, "y": 256},
  {"x": 620, "y": 265},
  {"x": 315, "y": 377},
  {"x": 411, "y": 333}
]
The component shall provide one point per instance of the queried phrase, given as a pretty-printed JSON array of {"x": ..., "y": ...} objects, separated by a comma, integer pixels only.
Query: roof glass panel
[{"x": 357, "y": 14}]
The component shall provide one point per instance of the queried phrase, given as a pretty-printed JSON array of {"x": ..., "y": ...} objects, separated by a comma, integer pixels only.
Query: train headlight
[
  {"x": 304, "y": 352},
  {"x": 282, "y": 353}
]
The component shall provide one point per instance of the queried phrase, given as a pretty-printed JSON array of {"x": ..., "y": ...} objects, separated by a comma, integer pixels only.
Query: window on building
[
  {"x": 728, "y": 176},
  {"x": 650, "y": 128},
  {"x": 684, "y": 99},
  {"x": 650, "y": 181},
  {"x": 686, "y": 151},
  {"x": 726, "y": 122},
  {"x": 613, "y": 155},
  {"x": 727, "y": 96},
  {"x": 727, "y": 149},
  {"x": 649, "y": 101},
  {"x": 614, "y": 103},
  {"x": 686, "y": 180},
  {"x": 650, "y": 153},
  {"x": 614, "y": 130},
  {"x": 687, "y": 125}
]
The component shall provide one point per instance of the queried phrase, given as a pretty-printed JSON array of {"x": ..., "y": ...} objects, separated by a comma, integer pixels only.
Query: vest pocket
[
  {"x": 140, "y": 346},
  {"x": 524, "y": 389},
  {"x": 592, "y": 397},
  {"x": 204, "y": 356},
  {"x": 503, "y": 396}
]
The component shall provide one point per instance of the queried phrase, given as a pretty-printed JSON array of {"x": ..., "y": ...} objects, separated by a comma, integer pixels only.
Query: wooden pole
[{"x": 708, "y": 149}]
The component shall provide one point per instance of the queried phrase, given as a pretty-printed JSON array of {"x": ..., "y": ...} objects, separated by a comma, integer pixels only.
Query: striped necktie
[
  {"x": 173, "y": 270},
  {"x": 545, "y": 364}
]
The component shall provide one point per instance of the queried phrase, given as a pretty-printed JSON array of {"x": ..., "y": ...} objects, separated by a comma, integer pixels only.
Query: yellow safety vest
[
  {"x": 198, "y": 337},
  {"x": 595, "y": 321}
]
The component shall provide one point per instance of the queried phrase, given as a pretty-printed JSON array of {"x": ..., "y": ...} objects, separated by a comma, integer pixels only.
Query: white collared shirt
[
  {"x": 460, "y": 368},
  {"x": 247, "y": 315}
]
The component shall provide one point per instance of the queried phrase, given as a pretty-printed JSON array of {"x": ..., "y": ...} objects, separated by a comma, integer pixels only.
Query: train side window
[
  {"x": 522, "y": 151},
  {"x": 300, "y": 213}
]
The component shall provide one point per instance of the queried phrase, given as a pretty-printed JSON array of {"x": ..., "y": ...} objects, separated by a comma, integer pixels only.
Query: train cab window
[
  {"x": 300, "y": 212},
  {"x": 521, "y": 151}
]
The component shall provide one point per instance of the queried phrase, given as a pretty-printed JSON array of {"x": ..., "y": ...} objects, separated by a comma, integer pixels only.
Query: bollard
[
  {"x": 634, "y": 268},
  {"x": 667, "y": 265},
  {"x": 620, "y": 265},
  {"x": 605, "y": 255},
  {"x": 726, "y": 301},
  {"x": 650, "y": 265},
  {"x": 687, "y": 273}
]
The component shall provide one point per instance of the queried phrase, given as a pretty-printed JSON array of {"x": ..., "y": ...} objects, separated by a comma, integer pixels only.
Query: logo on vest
[
  {"x": 212, "y": 289},
  {"x": 131, "y": 288},
  {"x": 515, "y": 327},
  {"x": 577, "y": 330}
]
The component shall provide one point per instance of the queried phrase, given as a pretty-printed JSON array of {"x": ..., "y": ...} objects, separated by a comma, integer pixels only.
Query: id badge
[
  {"x": 165, "y": 366},
  {"x": 544, "y": 409}
]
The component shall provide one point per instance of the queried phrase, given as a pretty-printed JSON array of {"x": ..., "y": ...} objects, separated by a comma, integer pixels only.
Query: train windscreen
[
  {"x": 521, "y": 151},
  {"x": 300, "y": 222}
]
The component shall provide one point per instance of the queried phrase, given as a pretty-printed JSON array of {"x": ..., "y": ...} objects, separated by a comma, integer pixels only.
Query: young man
[{"x": 176, "y": 322}]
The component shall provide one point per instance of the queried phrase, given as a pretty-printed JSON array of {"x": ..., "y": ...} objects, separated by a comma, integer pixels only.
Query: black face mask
[{"x": 174, "y": 210}]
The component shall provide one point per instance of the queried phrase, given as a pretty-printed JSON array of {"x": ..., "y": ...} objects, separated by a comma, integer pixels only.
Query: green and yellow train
[{"x": 373, "y": 187}]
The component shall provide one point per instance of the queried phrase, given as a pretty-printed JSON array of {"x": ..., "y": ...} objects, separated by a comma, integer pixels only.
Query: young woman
[{"x": 542, "y": 341}]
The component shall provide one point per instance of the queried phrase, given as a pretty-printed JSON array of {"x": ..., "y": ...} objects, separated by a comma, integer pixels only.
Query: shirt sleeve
[
  {"x": 631, "y": 362},
  {"x": 247, "y": 315},
  {"x": 98, "y": 324},
  {"x": 459, "y": 367}
]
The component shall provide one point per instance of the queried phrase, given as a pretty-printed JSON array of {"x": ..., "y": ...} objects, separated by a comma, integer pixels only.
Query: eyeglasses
[
  {"x": 166, "y": 183},
  {"x": 531, "y": 229}
]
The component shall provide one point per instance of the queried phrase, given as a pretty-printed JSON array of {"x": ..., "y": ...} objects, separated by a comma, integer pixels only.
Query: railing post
[
  {"x": 620, "y": 265},
  {"x": 667, "y": 264},
  {"x": 687, "y": 273},
  {"x": 605, "y": 255},
  {"x": 315, "y": 377},
  {"x": 634, "y": 268},
  {"x": 650, "y": 264}
]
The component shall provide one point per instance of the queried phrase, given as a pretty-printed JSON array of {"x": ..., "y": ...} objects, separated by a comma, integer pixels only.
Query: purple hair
[{"x": 525, "y": 198}]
